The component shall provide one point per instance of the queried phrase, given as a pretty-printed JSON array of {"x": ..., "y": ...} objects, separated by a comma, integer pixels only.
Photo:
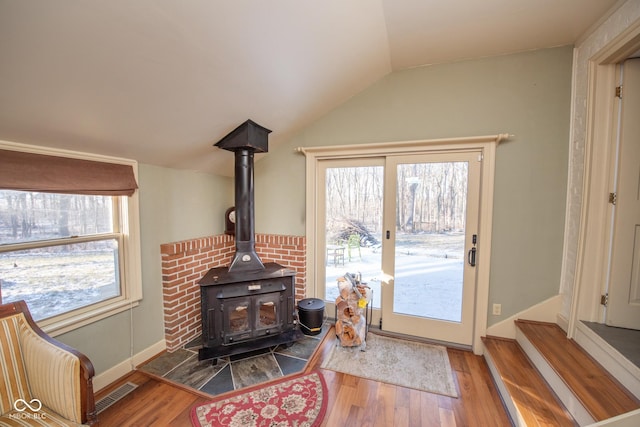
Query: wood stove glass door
[
  {"x": 431, "y": 245},
  {"x": 238, "y": 313},
  {"x": 268, "y": 309}
]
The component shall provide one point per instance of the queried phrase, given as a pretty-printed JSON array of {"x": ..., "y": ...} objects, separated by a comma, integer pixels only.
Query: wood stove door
[
  {"x": 238, "y": 313},
  {"x": 268, "y": 320}
]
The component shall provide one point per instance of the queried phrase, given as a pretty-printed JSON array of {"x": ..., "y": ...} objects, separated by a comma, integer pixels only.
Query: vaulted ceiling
[{"x": 160, "y": 81}]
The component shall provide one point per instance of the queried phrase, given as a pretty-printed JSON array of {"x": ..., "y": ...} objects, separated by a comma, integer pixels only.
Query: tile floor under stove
[{"x": 233, "y": 372}]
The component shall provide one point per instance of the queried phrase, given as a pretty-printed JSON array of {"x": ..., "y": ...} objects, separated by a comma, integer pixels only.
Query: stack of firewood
[{"x": 351, "y": 308}]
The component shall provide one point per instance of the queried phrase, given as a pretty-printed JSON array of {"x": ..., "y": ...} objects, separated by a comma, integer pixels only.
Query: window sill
[{"x": 67, "y": 322}]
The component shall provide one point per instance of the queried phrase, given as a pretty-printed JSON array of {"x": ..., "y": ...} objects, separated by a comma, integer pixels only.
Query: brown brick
[
  {"x": 171, "y": 270},
  {"x": 169, "y": 264}
]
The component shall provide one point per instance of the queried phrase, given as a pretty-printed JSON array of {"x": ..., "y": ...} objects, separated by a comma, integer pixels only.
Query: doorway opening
[{"x": 597, "y": 220}]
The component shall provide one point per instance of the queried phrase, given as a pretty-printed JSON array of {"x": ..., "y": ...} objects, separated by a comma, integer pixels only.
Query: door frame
[
  {"x": 485, "y": 144},
  {"x": 592, "y": 261}
]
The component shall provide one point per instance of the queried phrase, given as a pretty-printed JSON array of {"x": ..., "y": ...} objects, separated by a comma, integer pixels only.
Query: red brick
[
  {"x": 171, "y": 292},
  {"x": 169, "y": 278},
  {"x": 173, "y": 309},
  {"x": 185, "y": 260},
  {"x": 200, "y": 269},
  {"x": 171, "y": 270},
  {"x": 169, "y": 264},
  {"x": 174, "y": 323}
]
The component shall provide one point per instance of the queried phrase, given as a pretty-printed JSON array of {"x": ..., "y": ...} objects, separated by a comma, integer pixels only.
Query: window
[{"x": 74, "y": 258}]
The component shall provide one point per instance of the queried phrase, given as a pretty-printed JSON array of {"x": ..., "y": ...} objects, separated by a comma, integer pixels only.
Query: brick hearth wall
[{"x": 184, "y": 263}]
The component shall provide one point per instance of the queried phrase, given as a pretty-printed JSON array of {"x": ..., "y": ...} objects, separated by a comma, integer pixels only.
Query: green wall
[
  {"x": 174, "y": 205},
  {"x": 525, "y": 94}
]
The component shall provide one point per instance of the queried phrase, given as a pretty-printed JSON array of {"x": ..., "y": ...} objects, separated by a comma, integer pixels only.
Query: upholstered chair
[{"x": 42, "y": 381}]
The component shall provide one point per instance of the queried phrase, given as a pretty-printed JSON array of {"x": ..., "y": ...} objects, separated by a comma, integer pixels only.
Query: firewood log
[
  {"x": 339, "y": 328},
  {"x": 348, "y": 332}
]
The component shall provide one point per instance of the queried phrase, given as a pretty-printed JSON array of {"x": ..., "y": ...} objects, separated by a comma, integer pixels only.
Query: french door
[
  {"x": 431, "y": 232},
  {"x": 408, "y": 225}
]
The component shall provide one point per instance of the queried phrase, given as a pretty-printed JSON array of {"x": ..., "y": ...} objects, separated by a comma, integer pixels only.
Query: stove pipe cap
[{"x": 248, "y": 136}]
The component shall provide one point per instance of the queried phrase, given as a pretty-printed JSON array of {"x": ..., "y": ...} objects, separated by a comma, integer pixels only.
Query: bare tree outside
[
  {"x": 430, "y": 213},
  {"x": 42, "y": 259}
]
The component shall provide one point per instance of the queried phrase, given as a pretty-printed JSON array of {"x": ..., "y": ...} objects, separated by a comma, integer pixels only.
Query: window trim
[{"x": 128, "y": 216}]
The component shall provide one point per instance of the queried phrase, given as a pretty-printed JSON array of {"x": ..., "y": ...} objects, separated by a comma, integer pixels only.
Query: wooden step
[
  {"x": 599, "y": 393},
  {"x": 530, "y": 400}
]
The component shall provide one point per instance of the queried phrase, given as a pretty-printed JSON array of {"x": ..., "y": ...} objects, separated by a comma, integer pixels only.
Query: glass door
[
  {"x": 431, "y": 212},
  {"x": 351, "y": 205}
]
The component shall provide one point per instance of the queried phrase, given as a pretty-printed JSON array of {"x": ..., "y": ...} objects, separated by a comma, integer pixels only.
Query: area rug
[
  {"x": 300, "y": 400},
  {"x": 394, "y": 361}
]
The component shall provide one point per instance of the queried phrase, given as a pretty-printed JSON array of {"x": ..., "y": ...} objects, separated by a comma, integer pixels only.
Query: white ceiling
[{"x": 160, "y": 81}]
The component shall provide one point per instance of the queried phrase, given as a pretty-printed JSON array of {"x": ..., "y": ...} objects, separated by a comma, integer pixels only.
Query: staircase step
[
  {"x": 529, "y": 395},
  {"x": 601, "y": 395}
]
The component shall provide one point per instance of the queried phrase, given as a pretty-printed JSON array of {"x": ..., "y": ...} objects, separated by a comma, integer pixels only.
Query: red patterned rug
[{"x": 300, "y": 400}]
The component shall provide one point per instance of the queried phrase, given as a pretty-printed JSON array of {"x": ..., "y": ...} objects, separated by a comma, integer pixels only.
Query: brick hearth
[{"x": 184, "y": 263}]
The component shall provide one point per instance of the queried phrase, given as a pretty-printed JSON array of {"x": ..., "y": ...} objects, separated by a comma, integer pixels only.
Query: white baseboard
[
  {"x": 546, "y": 311},
  {"x": 563, "y": 322},
  {"x": 630, "y": 419},
  {"x": 121, "y": 369}
]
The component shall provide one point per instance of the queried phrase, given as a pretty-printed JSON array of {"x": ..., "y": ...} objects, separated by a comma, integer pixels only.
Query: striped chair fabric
[{"x": 33, "y": 368}]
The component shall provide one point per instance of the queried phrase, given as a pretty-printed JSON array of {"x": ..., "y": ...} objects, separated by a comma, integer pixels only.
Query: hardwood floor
[{"x": 352, "y": 401}]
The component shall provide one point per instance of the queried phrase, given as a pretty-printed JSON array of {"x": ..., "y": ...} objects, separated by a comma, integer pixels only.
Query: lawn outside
[
  {"x": 428, "y": 280},
  {"x": 53, "y": 283}
]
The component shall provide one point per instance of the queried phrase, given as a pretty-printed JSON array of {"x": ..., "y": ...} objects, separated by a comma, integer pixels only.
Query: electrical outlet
[{"x": 497, "y": 309}]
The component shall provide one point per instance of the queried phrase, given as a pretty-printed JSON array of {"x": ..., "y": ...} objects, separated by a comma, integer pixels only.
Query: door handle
[{"x": 471, "y": 257}]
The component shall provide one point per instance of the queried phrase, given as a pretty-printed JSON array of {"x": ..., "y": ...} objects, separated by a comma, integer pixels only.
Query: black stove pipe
[
  {"x": 245, "y": 258},
  {"x": 244, "y": 141}
]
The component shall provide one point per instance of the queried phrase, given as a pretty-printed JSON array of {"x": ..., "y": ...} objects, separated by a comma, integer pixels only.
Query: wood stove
[
  {"x": 249, "y": 305},
  {"x": 243, "y": 312}
]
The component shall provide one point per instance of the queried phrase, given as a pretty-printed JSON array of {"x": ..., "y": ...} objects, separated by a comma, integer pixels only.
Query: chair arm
[
  {"x": 59, "y": 376},
  {"x": 53, "y": 374}
]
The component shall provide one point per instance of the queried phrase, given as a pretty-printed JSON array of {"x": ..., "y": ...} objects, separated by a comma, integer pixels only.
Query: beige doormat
[{"x": 405, "y": 363}]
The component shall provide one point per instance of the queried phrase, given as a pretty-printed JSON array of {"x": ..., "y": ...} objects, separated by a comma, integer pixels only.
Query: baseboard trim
[
  {"x": 630, "y": 419},
  {"x": 545, "y": 311},
  {"x": 563, "y": 322},
  {"x": 113, "y": 374}
]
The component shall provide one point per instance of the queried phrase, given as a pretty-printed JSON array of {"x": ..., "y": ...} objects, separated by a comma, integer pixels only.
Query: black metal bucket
[{"x": 311, "y": 315}]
